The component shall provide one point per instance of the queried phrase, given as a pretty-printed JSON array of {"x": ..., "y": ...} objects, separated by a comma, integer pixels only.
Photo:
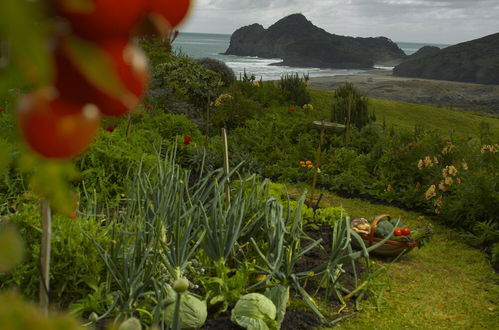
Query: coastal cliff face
[
  {"x": 300, "y": 43},
  {"x": 474, "y": 61}
]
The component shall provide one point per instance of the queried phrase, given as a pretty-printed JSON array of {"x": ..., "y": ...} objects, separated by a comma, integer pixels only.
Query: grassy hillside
[{"x": 406, "y": 115}]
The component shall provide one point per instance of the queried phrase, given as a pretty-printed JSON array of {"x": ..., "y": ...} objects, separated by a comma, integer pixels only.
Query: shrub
[
  {"x": 294, "y": 89},
  {"x": 75, "y": 263},
  {"x": 232, "y": 110},
  {"x": 350, "y": 105},
  {"x": 227, "y": 75},
  {"x": 186, "y": 79}
]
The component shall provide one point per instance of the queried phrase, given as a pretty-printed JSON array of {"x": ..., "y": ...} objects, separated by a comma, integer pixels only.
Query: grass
[
  {"x": 403, "y": 115},
  {"x": 445, "y": 285}
]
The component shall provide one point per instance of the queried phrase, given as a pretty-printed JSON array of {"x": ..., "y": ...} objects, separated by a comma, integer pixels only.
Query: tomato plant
[
  {"x": 102, "y": 19},
  {"x": 55, "y": 127},
  {"x": 128, "y": 62}
]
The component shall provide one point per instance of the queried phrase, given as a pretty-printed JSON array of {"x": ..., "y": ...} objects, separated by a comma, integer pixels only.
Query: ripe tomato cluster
[
  {"x": 402, "y": 231},
  {"x": 61, "y": 121}
]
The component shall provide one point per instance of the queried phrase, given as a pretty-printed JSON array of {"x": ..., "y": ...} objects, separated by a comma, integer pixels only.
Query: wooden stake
[
  {"x": 226, "y": 163},
  {"x": 45, "y": 255},
  {"x": 317, "y": 166}
]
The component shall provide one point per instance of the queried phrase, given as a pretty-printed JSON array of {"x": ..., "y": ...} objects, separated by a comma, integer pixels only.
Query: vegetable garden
[{"x": 122, "y": 204}]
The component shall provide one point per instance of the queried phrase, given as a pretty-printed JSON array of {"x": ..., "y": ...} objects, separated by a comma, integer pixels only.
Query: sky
[{"x": 427, "y": 21}]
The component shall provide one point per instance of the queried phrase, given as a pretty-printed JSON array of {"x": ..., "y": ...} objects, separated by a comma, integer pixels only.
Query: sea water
[{"x": 200, "y": 45}]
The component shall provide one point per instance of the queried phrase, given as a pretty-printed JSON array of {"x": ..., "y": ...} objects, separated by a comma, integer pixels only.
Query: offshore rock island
[{"x": 299, "y": 43}]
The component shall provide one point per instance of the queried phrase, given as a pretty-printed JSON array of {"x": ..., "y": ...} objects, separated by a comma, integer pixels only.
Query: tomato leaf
[{"x": 95, "y": 65}]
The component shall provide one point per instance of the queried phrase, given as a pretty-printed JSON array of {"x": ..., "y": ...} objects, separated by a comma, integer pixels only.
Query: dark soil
[{"x": 293, "y": 320}]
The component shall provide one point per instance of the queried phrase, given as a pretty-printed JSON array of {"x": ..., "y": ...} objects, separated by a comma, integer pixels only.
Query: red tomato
[
  {"x": 405, "y": 231},
  {"x": 107, "y": 19},
  {"x": 397, "y": 232},
  {"x": 56, "y": 127},
  {"x": 131, "y": 66},
  {"x": 170, "y": 10}
]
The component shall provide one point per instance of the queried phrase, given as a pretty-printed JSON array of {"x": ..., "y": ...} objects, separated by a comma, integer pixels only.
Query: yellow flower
[
  {"x": 442, "y": 186},
  {"x": 261, "y": 277},
  {"x": 255, "y": 83},
  {"x": 435, "y": 160},
  {"x": 428, "y": 162},
  {"x": 458, "y": 180},
  {"x": 310, "y": 165},
  {"x": 448, "y": 180},
  {"x": 452, "y": 170},
  {"x": 430, "y": 192},
  {"x": 420, "y": 164},
  {"x": 489, "y": 148},
  {"x": 438, "y": 202},
  {"x": 308, "y": 107}
]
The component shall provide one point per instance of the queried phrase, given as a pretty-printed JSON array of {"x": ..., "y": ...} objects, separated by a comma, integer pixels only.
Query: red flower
[
  {"x": 111, "y": 128},
  {"x": 73, "y": 215},
  {"x": 187, "y": 140},
  {"x": 292, "y": 109},
  {"x": 148, "y": 107}
]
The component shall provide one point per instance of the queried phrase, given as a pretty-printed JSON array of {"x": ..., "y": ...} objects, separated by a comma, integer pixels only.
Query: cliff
[
  {"x": 301, "y": 44},
  {"x": 474, "y": 61}
]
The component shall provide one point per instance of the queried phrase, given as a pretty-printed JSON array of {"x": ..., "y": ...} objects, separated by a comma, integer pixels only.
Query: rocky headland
[
  {"x": 299, "y": 43},
  {"x": 475, "y": 61}
]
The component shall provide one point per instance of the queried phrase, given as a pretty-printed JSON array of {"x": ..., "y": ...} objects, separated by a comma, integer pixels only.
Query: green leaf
[
  {"x": 11, "y": 248},
  {"x": 25, "y": 31},
  {"x": 4, "y": 156},
  {"x": 51, "y": 180},
  {"x": 95, "y": 65},
  {"x": 279, "y": 295}
]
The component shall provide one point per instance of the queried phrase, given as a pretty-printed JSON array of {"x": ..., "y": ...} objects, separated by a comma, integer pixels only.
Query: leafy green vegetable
[
  {"x": 130, "y": 324},
  {"x": 193, "y": 312},
  {"x": 254, "y": 311}
]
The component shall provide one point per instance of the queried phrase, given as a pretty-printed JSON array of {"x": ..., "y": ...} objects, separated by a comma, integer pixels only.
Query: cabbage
[
  {"x": 254, "y": 311},
  {"x": 193, "y": 312},
  {"x": 130, "y": 324}
]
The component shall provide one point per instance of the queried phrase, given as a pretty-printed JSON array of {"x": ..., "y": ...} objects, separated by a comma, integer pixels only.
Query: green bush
[
  {"x": 294, "y": 89},
  {"x": 226, "y": 74},
  {"x": 75, "y": 263},
  {"x": 350, "y": 106},
  {"x": 186, "y": 79}
]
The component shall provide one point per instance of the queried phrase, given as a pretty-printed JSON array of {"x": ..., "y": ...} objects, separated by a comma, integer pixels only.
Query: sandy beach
[{"x": 378, "y": 83}]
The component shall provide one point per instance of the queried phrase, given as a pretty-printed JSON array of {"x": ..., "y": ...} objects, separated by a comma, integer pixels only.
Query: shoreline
[{"x": 380, "y": 83}]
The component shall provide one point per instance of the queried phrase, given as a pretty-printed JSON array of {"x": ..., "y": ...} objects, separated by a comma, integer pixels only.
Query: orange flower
[
  {"x": 389, "y": 188},
  {"x": 308, "y": 162},
  {"x": 302, "y": 163}
]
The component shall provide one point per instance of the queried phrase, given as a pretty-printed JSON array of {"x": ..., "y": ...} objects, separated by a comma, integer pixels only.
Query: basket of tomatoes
[{"x": 401, "y": 241}]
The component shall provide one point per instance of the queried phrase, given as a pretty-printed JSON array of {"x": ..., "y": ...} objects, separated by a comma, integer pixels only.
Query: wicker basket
[{"x": 390, "y": 248}]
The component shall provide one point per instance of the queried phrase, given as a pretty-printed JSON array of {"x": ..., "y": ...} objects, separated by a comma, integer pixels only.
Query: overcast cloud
[{"x": 432, "y": 21}]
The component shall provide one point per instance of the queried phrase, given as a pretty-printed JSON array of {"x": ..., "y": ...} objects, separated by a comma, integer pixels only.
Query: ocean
[{"x": 199, "y": 45}]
